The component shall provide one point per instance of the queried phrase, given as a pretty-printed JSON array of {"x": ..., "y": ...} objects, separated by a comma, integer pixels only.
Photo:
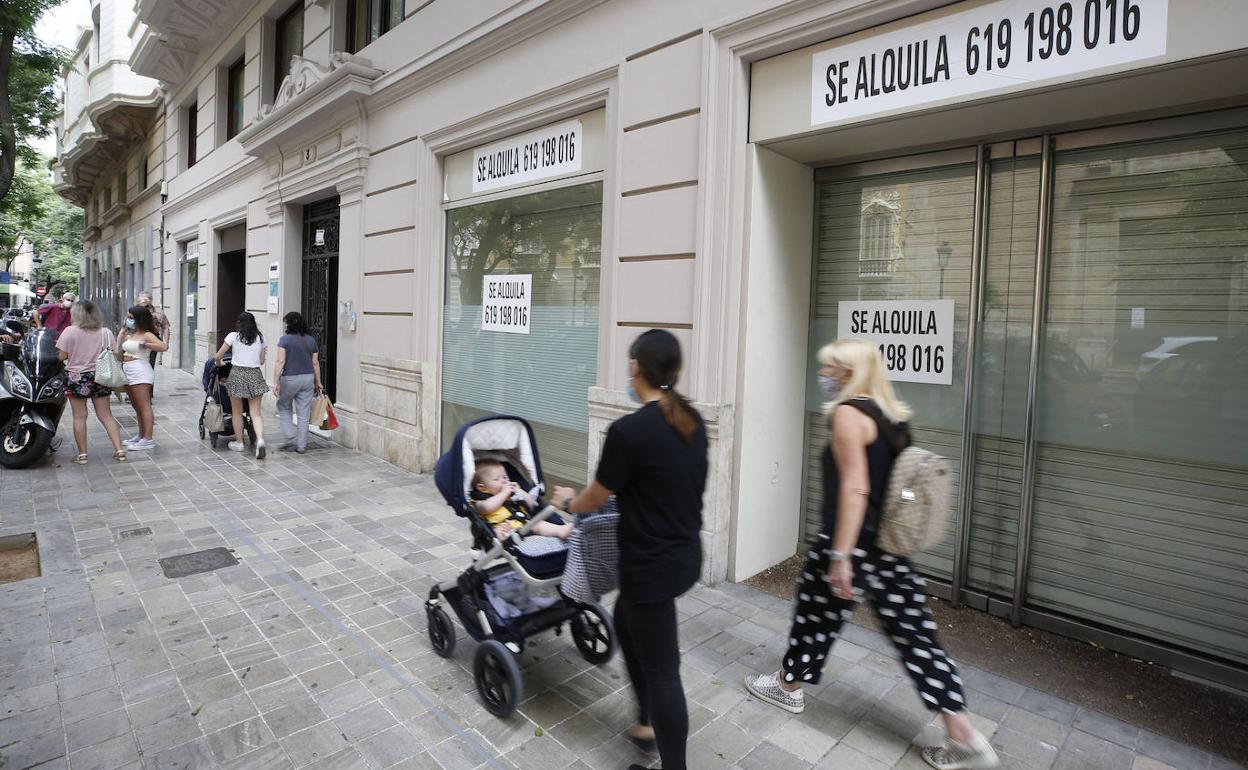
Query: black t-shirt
[
  {"x": 880, "y": 457},
  {"x": 658, "y": 480}
]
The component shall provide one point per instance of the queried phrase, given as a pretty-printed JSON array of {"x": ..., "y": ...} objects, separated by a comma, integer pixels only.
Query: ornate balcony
[{"x": 177, "y": 31}]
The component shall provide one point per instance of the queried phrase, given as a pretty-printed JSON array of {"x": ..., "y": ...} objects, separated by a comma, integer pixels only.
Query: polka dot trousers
[{"x": 896, "y": 592}]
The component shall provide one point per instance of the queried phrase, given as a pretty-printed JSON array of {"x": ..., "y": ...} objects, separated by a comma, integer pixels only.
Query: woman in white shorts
[{"x": 136, "y": 342}]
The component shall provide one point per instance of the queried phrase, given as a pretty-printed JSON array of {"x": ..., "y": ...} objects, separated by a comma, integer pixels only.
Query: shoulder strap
[{"x": 896, "y": 439}]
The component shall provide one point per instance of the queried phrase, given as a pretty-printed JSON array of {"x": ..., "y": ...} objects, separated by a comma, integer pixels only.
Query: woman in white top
[
  {"x": 137, "y": 341},
  {"x": 246, "y": 381}
]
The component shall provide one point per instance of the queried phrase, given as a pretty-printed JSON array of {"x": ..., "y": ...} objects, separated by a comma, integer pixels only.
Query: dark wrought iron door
[{"x": 320, "y": 284}]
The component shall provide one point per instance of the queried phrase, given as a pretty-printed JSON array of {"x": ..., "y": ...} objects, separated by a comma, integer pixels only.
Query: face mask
[
  {"x": 830, "y": 386},
  {"x": 130, "y": 324},
  {"x": 66, "y": 304},
  {"x": 632, "y": 393}
]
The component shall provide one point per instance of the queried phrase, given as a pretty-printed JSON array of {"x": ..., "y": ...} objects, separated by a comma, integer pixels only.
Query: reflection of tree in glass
[{"x": 555, "y": 237}]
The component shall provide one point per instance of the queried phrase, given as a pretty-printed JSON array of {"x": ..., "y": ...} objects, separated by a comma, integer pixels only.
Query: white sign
[
  {"x": 272, "y": 298},
  {"x": 190, "y": 305},
  {"x": 318, "y": 238},
  {"x": 1137, "y": 318},
  {"x": 541, "y": 154},
  {"x": 505, "y": 303},
  {"x": 273, "y": 271},
  {"x": 1000, "y": 45},
  {"x": 915, "y": 337}
]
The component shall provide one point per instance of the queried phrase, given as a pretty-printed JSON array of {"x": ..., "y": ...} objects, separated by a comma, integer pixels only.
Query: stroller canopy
[{"x": 502, "y": 438}]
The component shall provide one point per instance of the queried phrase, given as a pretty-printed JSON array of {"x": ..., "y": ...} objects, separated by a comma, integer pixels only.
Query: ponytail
[
  {"x": 657, "y": 353},
  {"x": 679, "y": 414}
]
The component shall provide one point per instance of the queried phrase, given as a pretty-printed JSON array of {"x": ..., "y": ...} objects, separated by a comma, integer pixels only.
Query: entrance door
[
  {"x": 231, "y": 291},
  {"x": 190, "y": 311},
  {"x": 320, "y": 284}
]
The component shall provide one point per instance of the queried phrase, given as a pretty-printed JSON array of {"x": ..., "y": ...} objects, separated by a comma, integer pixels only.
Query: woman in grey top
[{"x": 298, "y": 381}]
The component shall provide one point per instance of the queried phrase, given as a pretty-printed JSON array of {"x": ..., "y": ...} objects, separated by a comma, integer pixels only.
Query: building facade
[{"x": 1038, "y": 209}]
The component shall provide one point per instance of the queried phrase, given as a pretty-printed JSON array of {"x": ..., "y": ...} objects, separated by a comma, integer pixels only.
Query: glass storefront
[
  {"x": 555, "y": 237},
  {"x": 190, "y": 305},
  {"x": 1133, "y": 514}
]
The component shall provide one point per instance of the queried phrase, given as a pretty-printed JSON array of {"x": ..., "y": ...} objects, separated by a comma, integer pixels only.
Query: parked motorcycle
[{"x": 32, "y": 395}]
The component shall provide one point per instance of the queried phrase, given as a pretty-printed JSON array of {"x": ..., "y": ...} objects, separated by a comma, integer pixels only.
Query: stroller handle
[{"x": 541, "y": 516}]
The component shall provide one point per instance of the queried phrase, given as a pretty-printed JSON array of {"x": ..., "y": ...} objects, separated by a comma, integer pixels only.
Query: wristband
[{"x": 835, "y": 555}]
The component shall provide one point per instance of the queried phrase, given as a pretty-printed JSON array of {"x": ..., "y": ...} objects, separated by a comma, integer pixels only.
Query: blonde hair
[
  {"x": 867, "y": 377},
  {"x": 86, "y": 315}
]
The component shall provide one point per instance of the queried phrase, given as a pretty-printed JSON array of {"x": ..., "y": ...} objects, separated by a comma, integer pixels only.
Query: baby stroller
[
  {"x": 500, "y": 567},
  {"x": 213, "y": 379}
]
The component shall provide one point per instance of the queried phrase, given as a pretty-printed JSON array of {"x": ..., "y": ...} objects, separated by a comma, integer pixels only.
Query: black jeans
[{"x": 647, "y": 632}]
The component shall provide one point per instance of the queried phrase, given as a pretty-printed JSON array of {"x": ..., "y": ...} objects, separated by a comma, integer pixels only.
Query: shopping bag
[
  {"x": 319, "y": 404},
  {"x": 108, "y": 370},
  {"x": 214, "y": 418},
  {"x": 331, "y": 422}
]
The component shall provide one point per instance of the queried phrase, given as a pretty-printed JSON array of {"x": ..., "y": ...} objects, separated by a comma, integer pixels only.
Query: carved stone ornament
[{"x": 305, "y": 73}]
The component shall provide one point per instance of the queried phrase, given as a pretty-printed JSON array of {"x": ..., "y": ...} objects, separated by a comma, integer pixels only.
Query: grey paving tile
[
  {"x": 1048, "y": 706},
  {"x": 1019, "y": 747},
  {"x": 294, "y": 716},
  {"x": 1172, "y": 752},
  {"x": 97, "y": 729},
  {"x": 1084, "y": 751},
  {"x": 168, "y": 733},
  {"x": 1102, "y": 726},
  {"x": 107, "y": 755},
  {"x": 216, "y": 715},
  {"x": 240, "y": 739},
  {"x": 768, "y": 756},
  {"x": 188, "y": 756},
  {"x": 313, "y": 744}
]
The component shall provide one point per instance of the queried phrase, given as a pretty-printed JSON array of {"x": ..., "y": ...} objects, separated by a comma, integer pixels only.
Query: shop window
[
  {"x": 191, "y": 113},
  {"x": 554, "y": 238},
  {"x": 288, "y": 41},
  {"x": 234, "y": 99},
  {"x": 368, "y": 20}
]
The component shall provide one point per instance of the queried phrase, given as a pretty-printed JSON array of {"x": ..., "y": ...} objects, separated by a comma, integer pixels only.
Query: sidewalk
[{"x": 312, "y": 652}]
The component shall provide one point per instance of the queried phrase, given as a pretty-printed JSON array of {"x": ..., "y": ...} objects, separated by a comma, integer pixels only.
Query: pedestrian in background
[
  {"x": 79, "y": 346},
  {"x": 161, "y": 322},
  {"x": 246, "y": 384},
  {"x": 866, "y": 417},
  {"x": 297, "y": 380},
  {"x": 56, "y": 316},
  {"x": 655, "y": 462},
  {"x": 135, "y": 341}
]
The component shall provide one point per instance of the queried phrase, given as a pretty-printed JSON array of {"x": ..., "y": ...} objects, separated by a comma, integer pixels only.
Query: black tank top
[{"x": 880, "y": 458}]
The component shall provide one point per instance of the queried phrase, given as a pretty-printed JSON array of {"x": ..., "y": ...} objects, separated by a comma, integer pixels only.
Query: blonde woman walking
[
  {"x": 79, "y": 345},
  {"x": 868, "y": 426}
]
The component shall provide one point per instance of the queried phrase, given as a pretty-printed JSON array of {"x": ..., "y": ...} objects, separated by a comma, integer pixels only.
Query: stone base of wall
[
  {"x": 396, "y": 419},
  {"x": 607, "y": 406}
]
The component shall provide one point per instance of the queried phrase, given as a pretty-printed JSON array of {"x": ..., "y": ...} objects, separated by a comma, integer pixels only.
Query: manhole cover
[
  {"x": 126, "y": 421},
  {"x": 19, "y": 557},
  {"x": 195, "y": 563},
  {"x": 126, "y": 534}
]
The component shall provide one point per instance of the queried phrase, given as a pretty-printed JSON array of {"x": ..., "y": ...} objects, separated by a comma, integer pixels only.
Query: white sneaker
[
  {"x": 979, "y": 755},
  {"x": 130, "y": 443},
  {"x": 236, "y": 446},
  {"x": 766, "y": 687},
  {"x": 142, "y": 445}
]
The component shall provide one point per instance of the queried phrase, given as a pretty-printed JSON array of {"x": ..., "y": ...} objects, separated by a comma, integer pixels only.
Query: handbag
[
  {"x": 214, "y": 418},
  {"x": 320, "y": 405},
  {"x": 331, "y": 421},
  {"x": 108, "y": 370}
]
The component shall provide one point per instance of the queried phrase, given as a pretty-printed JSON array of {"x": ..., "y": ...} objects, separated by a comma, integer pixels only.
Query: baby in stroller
[
  {"x": 505, "y": 505},
  {"x": 514, "y": 587}
]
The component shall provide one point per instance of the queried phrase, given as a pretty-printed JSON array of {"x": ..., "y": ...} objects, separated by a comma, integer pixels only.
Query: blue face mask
[
  {"x": 632, "y": 393},
  {"x": 830, "y": 386},
  {"x": 130, "y": 324}
]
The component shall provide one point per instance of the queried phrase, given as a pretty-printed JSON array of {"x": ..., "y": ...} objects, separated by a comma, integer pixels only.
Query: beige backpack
[{"x": 916, "y": 503}]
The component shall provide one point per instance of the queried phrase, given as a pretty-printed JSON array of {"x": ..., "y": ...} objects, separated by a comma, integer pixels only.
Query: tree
[
  {"x": 28, "y": 73},
  {"x": 35, "y": 213},
  {"x": 23, "y": 211}
]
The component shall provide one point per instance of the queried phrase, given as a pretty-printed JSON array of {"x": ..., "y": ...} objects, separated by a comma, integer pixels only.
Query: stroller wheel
[
  {"x": 594, "y": 633},
  {"x": 441, "y": 631},
  {"x": 498, "y": 678}
]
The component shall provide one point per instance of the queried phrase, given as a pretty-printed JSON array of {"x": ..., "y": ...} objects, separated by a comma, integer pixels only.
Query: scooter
[{"x": 32, "y": 395}]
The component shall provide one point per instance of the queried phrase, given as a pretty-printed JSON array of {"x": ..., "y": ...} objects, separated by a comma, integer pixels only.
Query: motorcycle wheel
[{"x": 24, "y": 444}]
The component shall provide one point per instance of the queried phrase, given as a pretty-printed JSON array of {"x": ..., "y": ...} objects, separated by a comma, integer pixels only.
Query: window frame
[
  {"x": 281, "y": 57},
  {"x": 235, "y": 82},
  {"x": 191, "y": 114},
  {"x": 372, "y": 16},
  {"x": 123, "y": 181}
]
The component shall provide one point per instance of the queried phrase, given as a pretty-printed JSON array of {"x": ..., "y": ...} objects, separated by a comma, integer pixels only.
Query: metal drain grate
[
  {"x": 126, "y": 534},
  {"x": 197, "y": 562},
  {"x": 19, "y": 557}
]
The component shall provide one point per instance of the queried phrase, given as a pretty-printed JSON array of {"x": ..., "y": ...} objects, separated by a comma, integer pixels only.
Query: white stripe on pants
[{"x": 297, "y": 392}]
